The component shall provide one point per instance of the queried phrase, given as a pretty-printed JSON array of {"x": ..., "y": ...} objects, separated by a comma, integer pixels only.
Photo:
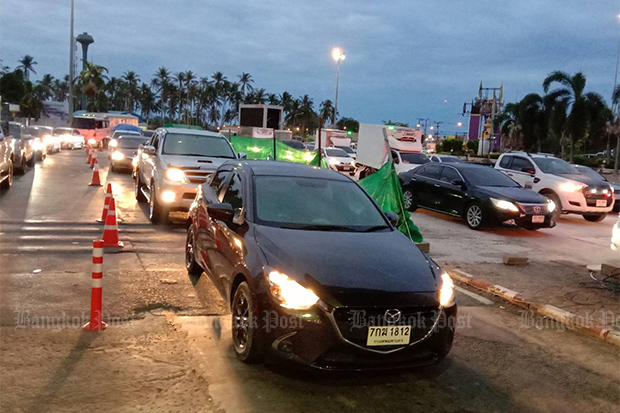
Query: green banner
[{"x": 262, "y": 149}]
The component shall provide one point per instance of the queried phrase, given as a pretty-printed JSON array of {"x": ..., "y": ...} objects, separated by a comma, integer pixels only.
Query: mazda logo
[{"x": 392, "y": 316}]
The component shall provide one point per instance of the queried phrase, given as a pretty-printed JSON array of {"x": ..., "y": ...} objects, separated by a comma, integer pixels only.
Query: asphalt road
[{"x": 47, "y": 224}]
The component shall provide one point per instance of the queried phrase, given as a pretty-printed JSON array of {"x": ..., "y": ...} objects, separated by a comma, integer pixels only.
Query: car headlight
[
  {"x": 118, "y": 156},
  {"x": 572, "y": 187},
  {"x": 446, "y": 293},
  {"x": 550, "y": 206},
  {"x": 333, "y": 161},
  {"x": 92, "y": 141},
  {"x": 175, "y": 175},
  {"x": 38, "y": 145},
  {"x": 113, "y": 143},
  {"x": 353, "y": 163},
  {"x": 289, "y": 293},
  {"x": 501, "y": 204}
]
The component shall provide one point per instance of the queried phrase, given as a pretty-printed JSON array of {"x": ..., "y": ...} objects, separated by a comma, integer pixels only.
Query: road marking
[{"x": 475, "y": 296}]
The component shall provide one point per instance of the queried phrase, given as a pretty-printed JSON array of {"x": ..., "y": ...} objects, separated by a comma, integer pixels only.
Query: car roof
[
  {"x": 465, "y": 166},
  {"x": 280, "y": 168},
  {"x": 184, "y": 131}
]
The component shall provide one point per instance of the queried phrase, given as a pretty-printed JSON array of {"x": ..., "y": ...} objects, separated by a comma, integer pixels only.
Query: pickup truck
[{"x": 171, "y": 166}]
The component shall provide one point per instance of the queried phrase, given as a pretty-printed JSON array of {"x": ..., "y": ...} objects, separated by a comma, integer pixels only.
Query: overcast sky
[{"x": 404, "y": 58}]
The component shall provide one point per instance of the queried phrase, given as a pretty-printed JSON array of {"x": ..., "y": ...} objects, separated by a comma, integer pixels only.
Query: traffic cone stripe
[
  {"x": 97, "y": 283},
  {"x": 98, "y": 268},
  {"x": 110, "y": 229}
]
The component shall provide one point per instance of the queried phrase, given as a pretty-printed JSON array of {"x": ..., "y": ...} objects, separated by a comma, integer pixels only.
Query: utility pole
[
  {"x": 615, "y": 113},
  {"x": 437, "y": 126},
  {"x": 71, "y": 58},
  {"x": 425, "y": 124}
]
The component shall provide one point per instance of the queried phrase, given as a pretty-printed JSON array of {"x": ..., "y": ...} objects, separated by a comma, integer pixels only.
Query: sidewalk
[{"x": 559, "y": 290}]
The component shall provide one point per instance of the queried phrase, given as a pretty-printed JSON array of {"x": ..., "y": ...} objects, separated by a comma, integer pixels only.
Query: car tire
[
  {"x": 30, "y": 163},
  {"x": 594, "y": 218},
  {"x": 474, "y": 216},
  {"x": 558, "y": 205},
  {"x": 409, "y": 200},
  {"x": 191, "y": 265},
  {"x": 246, "y": 334},
  {"x": 138, "y": 189},
  {"x": 21, "y": 169},
  {"x": 8, "y": 182},
  {"x": 157, "y": 213}
]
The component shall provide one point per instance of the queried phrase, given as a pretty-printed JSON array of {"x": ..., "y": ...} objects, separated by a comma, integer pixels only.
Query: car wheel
[
  {"x": 245, "y": 331},
  {"x": 8, "y": 182},
  {"x": 191, "y": 265},
  {"x": 21, "y": 169},
  {"x": 595, "y": 218},
  {"x": 157, "y": 214},
  {"x": 410, "y": 203},
  {"x": 474, "y": 216},
  {"x": 138, "y": 188},
  {"x": 30, "y": 163},
  {"x": 558, "y": 205}
]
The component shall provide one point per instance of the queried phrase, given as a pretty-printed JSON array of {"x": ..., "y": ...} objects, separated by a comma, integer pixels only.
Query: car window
[
  {"x": 414, "y": 158},
  {"x": 518, "y": 163},
  {"x": 16, "y": 131},
  {"x": 218, "y": 181},
  {"x": 337, "y": 152},
  {"x": 479, "y": 175},
  {"x": 449, "y": 174},
  {"x": 555, "y": 166},
  {"x": 505, "y": 162},
  {"x": 432, "y": 171},
  {"x": 155, "y": 143},
  {"x": 233, "y": 195}
]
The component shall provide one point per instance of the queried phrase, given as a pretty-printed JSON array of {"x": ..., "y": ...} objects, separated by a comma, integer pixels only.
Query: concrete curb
[{"x": 571, "y": 321}]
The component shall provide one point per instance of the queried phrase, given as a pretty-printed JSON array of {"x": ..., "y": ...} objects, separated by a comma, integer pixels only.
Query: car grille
[
  {"x": 353, "y": 323},
  {"x": 533, "y": 209},
  {"x": 195, "y": 175}
]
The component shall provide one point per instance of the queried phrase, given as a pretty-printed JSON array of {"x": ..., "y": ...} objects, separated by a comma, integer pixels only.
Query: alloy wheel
[
  {"x": 241, "y": 322},
  {"x": 408, "y": 196},
  {"x": 474, "y": 216}
]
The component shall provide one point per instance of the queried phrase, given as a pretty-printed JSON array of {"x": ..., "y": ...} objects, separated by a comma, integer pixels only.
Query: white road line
[{"x": 475, "y": 296}]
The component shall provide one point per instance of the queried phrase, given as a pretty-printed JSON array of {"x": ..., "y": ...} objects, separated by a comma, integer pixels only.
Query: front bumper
[
  {"x": 577, "y": 203},
  {"x": 520, "y": 219},
  {"x": 316, "y": 340},
  {"x": 184, "y": 195}
]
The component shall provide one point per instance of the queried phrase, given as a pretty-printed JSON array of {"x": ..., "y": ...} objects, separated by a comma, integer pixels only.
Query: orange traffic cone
[
  {"x": 110, "y": 230},
  {"x": 106, "y": 203},
  {"x": 95, "y": 180},
  {"x": 93, "y": 159},
  {"x": 90, "y": 155},
  {"x": 96, "y": 322}
]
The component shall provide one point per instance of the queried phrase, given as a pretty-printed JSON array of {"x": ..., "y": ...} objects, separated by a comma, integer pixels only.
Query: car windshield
[
  {"x": 590, "y": 173},
  {"x": 415, "y": 158},
  {"x": 34, "y": 131},
  {"x": 555, "y": 166},
  {"x": 346, "y": 149},
  {"x": 197, "y": 145},
  {"x": 337, "y": 152},
  {"x": 130, "y": 143},
  {"x": 486, "y": 176},
  {"x": 315, "y": 204}
]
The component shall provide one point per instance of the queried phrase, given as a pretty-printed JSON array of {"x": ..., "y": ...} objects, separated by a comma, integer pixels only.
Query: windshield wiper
[
  {"x": 326, "y": 228},
  {"x": 376, "y": 228}
]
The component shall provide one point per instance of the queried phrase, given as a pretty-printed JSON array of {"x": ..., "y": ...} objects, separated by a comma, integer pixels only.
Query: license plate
[
  {"x": 538, "y": 219},
  {"x": 601, "y": 203},
  {"x": 347, "y": 168},
  {"x": 388, "y": 336}
]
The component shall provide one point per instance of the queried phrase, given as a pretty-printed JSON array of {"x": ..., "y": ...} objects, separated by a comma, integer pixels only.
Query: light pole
[
  {"x": 71, "y": 57},
  {"x": 84, "y": 39},
  {"x": 338, "y": 55}
]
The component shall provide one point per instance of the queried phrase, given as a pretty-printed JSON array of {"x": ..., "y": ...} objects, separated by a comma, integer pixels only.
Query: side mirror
[
  {"x": 459, "y": 182},
  {"x": 243, "y": 155},
  {"x": 222, "y": 212},
  {"x": 527, "y": 170},
  {"x": 392, "y": 217},
  {"x": 149, "y": 150}
]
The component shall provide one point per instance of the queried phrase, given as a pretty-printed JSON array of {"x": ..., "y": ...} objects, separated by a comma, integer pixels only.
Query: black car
[
  {"x": 122, "y": 150},
  {"x": 314, "y": 272},
  {"x": 480, "y": 194}
]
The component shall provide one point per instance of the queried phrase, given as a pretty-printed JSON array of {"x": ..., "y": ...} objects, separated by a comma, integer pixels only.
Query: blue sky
[{"x": 404, "y": 58}]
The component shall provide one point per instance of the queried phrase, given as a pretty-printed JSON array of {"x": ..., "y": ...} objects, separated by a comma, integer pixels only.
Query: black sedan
[
  {"x": 122, "y": 150},
  {"x": 315, "y": 273},
  {"x": 477, "y": 193}
]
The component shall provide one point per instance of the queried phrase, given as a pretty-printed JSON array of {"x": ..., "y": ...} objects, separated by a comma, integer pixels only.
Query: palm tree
[
  {"x": 133, "y": 92},
  {"x": 161, "y": 83},
  {"x": 147, "y": 101},
  {"x": 573, "y": 92},
  {"x": 306, "y": 112},
  {"x": 60, "y": 89},
  {"x": 326, "y": 112},
  {"x": 27, "y": 66},
  {"x": 272, "y": 99},
  {"x": 93, "y": 80},
  {"x": 293, "y": 114},
  {"x": 180, "y": 77},
  {"x": 244, "y": 81}
]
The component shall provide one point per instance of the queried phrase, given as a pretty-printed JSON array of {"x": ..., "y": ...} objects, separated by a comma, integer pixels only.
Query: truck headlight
[
  {"x": 175, "y": 175},
  {"x": 446, "y": 292},
  {"x": 572, "y": 187},
  {"x": 118, "y": 156},
  {"x": 551, "y": 206},
  {"x": 501, "y": 204},
  {"x": 289, "y": 293}
]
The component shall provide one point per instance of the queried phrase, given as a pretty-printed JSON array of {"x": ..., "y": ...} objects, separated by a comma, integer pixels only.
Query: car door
[
  {"x": 148, "y": 161},
  {"x": 451, "y": 196},
  {"x": 521, "y": 170},
  {"x": 428, "y": 185}
]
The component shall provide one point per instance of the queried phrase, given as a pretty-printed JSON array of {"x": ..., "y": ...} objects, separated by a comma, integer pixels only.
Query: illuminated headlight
[
  {"x": 134, "y": 161},
  {"x": 289, "y": 293},
  {"x": 353, "y": 163},
  {"x": 501, "y": 204},
  {"x": 175, "y": 175},
  {"x": 92, "y": 141},
  {"x": 550, "y": 206},
  {"x": 168, "y": 196},
  {"x": 572, "y": 187},
  {"x": 446, "y": 293},
  {"x": 334, "y": 161},
  {"x": 113, "y": 143},
  {"x": 38, "y": 145},
  {"x": 46, "y": 139},
  {"x": 118, "y": 156}
]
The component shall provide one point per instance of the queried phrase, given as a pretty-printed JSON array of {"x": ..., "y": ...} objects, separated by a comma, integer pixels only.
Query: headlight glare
[
  {"x": 572, "y": 187},
  {"x": 551, "y": 206},
  {"x": 501, "y": 204},
  {"x": 175, "y": 175},
  {"x": 446, "y": 293},
  {"x": 118, "y": 156},
  {"x": 289, "y": 293}
]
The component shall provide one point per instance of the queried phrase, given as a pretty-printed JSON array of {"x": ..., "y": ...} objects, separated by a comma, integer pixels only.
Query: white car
[
  {"x": 69, "y": 138},
  {"x": 561, "y": 182},
  {"x": 338, "y": 160},
  {"x": 348, "y": 150},
  {"x": 406, "y": 161}
]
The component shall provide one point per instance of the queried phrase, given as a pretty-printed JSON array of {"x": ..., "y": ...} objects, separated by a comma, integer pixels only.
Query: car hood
[
  {"x": 349, "y": 268},
  {"x": 583, "y": 179},
  {"x": 515, "y": 194},
  {"x": 202, "y": 162},
  {"x": 127, "y": 151},
  {"x": 341, "y": 159}
]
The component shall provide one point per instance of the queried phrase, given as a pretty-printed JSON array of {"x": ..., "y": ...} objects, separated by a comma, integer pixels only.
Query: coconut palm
[
  {"x": 93, "y": 80},
  {"x": 27, "y": 66},
  {"x": 572, "y": 90},
  {"x": 147, "y": 100},
  {"x": 326, "y": 112},
  {"x": 133, "y": 91},
  {"x": 161, "y": 84},
  {"x": 180, "y": 78},
  {"x": 245, "y": 80}
]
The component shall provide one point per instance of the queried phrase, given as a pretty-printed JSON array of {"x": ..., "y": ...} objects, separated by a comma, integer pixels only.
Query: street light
[
  {"x": 338, "y": 55},
  {"x": 432, "y": 127},
  {"x": 459, "y": 124}
]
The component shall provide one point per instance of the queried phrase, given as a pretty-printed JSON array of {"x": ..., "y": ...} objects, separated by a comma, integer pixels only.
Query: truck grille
[{"x": 195, "y": 175}]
